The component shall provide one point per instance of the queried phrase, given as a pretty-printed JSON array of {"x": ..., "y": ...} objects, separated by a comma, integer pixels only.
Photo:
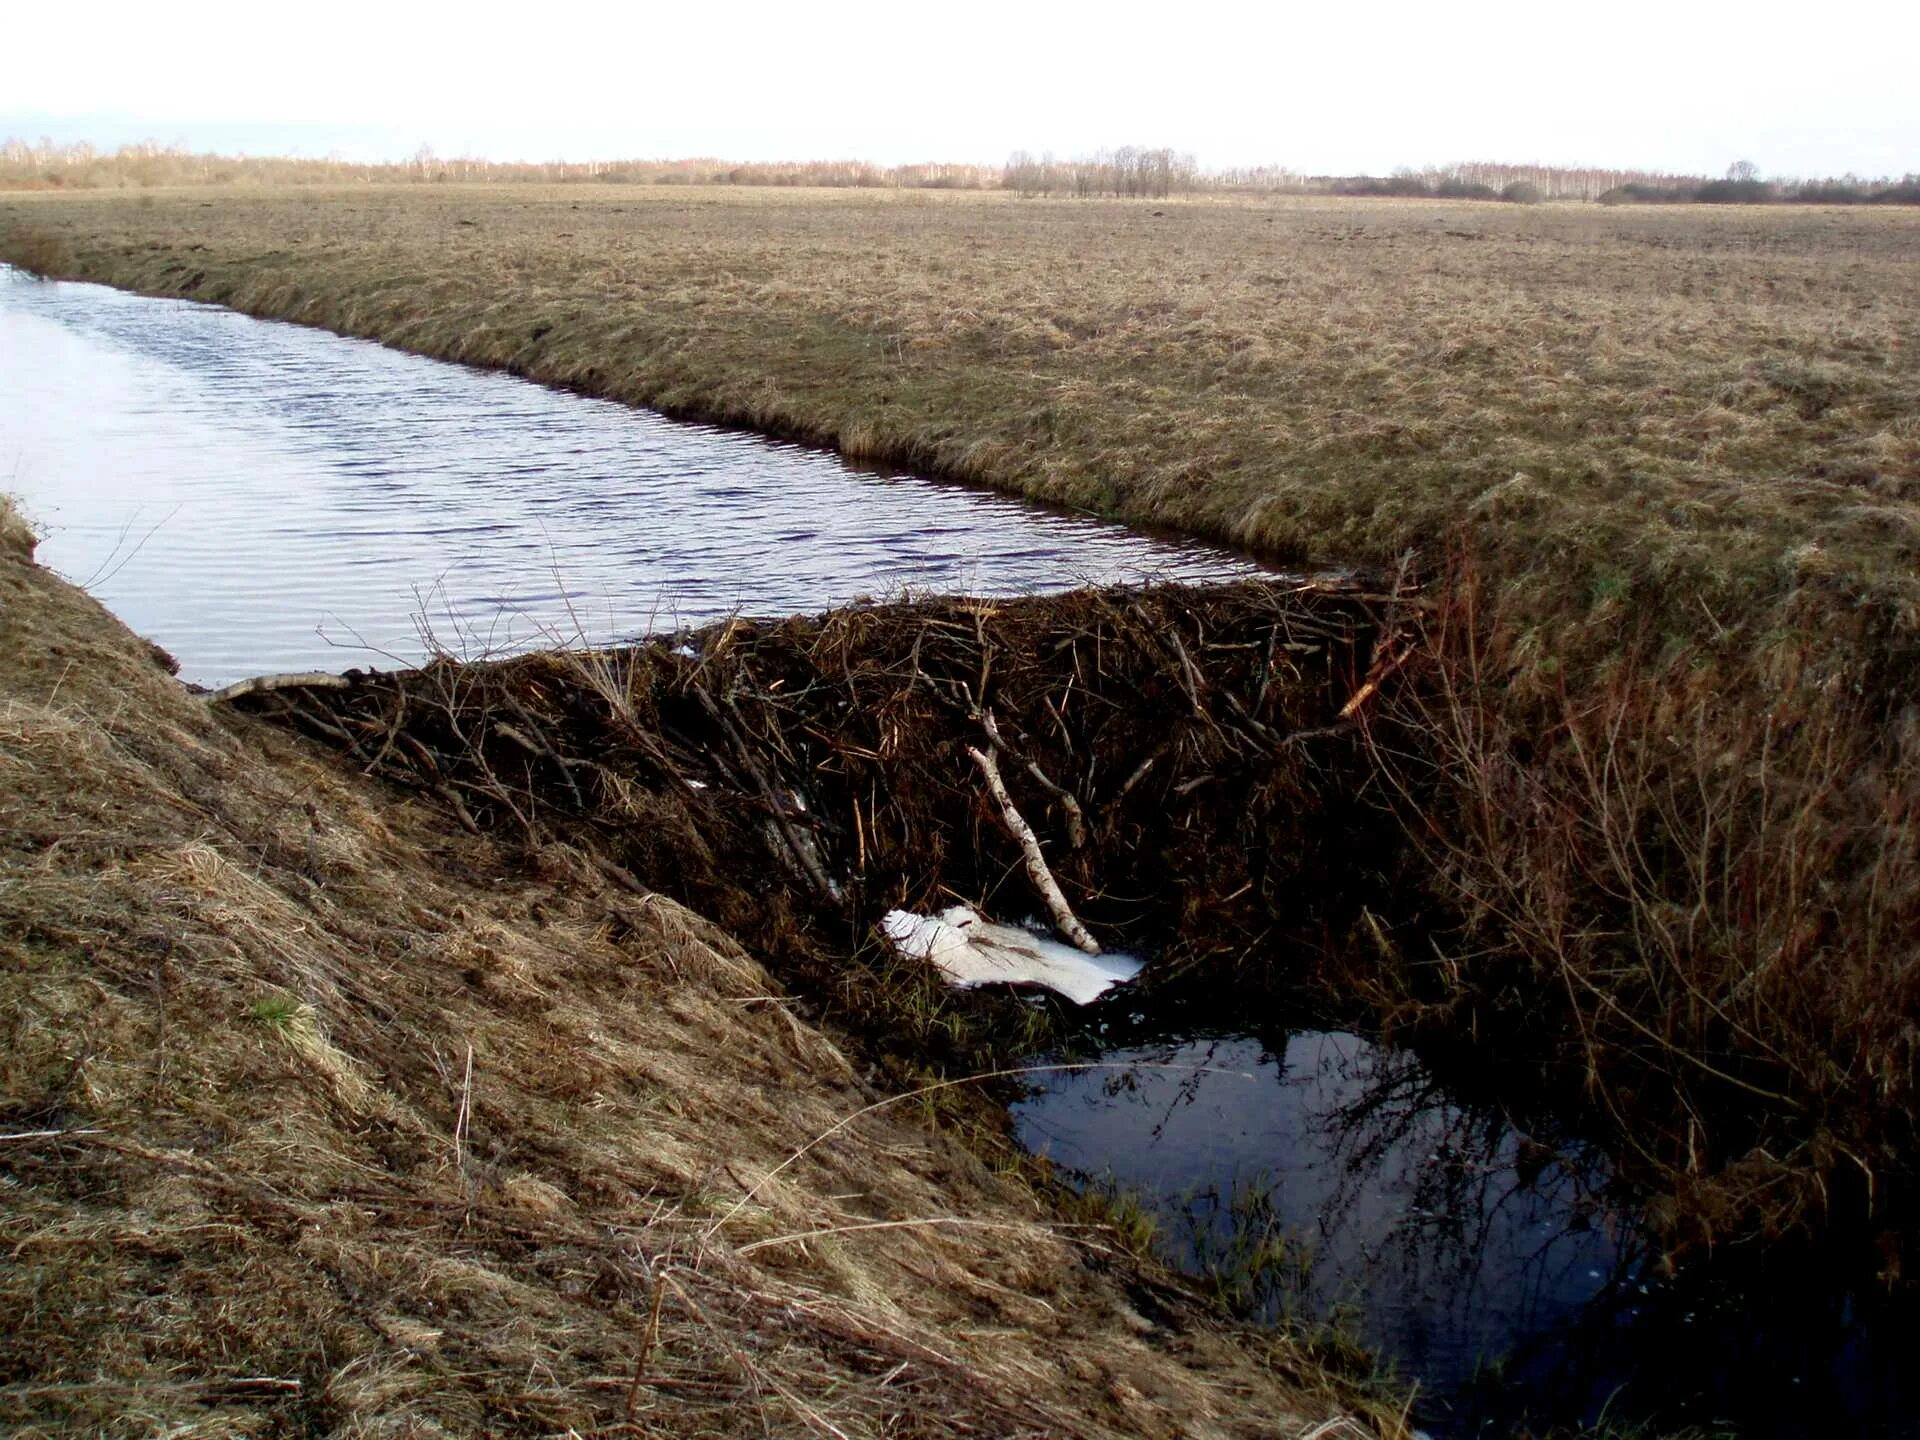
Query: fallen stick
[
  {"x": 262, "y": 684},
  {"x": 535, "y": 744},
  {"x": 460, "y": 811},
  {"x": 1140, "y": 774},
  {"x": 807, "y": 857},
  {"x": 1069, "y": 805},
  {"x": 1063, "y": 917},
  {"x": 1384, "y": 666}
]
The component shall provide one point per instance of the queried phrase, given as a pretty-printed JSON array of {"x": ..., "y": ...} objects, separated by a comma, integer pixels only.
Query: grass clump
[{"x": 277, "y": 1012}]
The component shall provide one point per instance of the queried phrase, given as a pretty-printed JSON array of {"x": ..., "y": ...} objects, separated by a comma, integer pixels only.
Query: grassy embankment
[
  {"x": 317, "y": 1118},
  {"x": 1661, "y": 467}
]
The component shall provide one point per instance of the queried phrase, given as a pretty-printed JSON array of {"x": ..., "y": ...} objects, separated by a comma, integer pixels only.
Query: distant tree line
[
  {"x": 1130, "y": 172},
  {"x": 1490, "y": 180},
  {"x": 1742, "y": 185},
  {"x": 832, "y": 174},
  {"x": 46, "y": 165}
]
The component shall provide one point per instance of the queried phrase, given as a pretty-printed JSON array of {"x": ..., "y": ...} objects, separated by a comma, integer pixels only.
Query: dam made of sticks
[{"x": 1183, "y": 751}]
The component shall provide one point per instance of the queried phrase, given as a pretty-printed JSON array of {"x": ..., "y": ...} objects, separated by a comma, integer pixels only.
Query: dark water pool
[
  {"x": 260, "y": 496},
  {"x": 1320, "y": 1175}
]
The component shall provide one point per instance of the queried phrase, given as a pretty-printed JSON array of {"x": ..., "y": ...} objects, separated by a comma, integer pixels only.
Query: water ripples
[{"x": 259, "y": 496}]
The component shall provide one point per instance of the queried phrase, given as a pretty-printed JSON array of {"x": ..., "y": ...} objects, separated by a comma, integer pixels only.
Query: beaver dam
[
  {"x": 1524, "y": 934},
  {"x": 795, "y": 780},
  {"x": 1200, "y": 770}
]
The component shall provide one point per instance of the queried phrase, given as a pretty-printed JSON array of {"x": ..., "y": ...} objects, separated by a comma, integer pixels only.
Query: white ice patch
[{"x": 971, "y": 951}]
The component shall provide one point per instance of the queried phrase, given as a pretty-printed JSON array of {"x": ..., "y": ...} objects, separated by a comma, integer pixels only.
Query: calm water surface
[
  {"x": 259, "y": 496},
  {"x": 1485, "y": 1261}
]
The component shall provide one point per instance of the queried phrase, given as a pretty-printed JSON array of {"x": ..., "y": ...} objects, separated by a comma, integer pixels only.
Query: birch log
[
  {"x": 265, "y": 684},
  {"x": 1063, "y": 917}
]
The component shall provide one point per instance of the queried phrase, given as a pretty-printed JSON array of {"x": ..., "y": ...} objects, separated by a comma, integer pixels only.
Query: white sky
[{"x": 1325, "y": 86}]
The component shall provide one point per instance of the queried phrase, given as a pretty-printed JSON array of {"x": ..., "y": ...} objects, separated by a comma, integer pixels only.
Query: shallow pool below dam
[
  {"x": 1483, "y": 1253},
  {"x": 260, "y": 497}
]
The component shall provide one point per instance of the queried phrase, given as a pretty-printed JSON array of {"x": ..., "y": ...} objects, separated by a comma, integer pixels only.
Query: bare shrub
[
  {"x": 1131, "y": 172},
  {"x": 1456, "y": 189},
  {"x": 1709, "y": 897}
]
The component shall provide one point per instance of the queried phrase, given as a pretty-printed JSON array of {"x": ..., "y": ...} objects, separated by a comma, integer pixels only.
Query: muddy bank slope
[{"x": 319, "y": 1118}]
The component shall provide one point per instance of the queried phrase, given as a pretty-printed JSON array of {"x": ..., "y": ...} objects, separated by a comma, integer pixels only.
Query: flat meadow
[
  {"x": 1656, "y": 470},
  {"x": 1658, "y": 387}
]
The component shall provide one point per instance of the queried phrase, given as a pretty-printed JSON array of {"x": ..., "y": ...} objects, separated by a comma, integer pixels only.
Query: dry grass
[
  {"x": 314, "y": 1119},
  {"x": 1718, "y": 900},
  {"x": 1680, "y": 445},
  {"x": 1637, "y": 395}
]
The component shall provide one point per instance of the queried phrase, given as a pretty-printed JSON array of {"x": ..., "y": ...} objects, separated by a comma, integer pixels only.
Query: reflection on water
[
  {"x": 1403, "y": 1207},
  {"x": 259, "y": 496},
  {"x": 1315, "y": 1174}
]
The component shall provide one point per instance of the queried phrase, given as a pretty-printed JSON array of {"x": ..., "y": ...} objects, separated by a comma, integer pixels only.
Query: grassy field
[
  {"x": 1635, "y": 393},
  {"x": 1660, "y": 468}
]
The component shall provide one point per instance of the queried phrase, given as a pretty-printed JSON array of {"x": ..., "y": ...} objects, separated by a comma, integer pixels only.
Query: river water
[{"x": 262, "y": 497}]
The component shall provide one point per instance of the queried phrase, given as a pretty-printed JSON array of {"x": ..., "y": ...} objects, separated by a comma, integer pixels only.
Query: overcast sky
[{"x": 1323, "y": 86}]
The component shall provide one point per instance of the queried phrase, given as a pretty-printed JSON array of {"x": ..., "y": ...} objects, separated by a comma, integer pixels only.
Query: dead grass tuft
[{"x": 17, "y": 537}]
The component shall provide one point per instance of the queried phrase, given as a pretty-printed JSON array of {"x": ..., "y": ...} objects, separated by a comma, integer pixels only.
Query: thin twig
[
  {"x": 1018, "y": 1070},
  {"x": 647, "y": 1342},
  {"x": 464, "y": 1118}
]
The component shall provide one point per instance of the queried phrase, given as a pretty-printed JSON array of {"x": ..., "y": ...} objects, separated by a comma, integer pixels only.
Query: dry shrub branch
[{"x": 1710, "y": 899}]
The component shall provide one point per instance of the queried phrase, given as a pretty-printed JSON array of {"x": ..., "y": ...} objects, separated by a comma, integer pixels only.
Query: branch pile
[{"x": 1182, "y": 756}]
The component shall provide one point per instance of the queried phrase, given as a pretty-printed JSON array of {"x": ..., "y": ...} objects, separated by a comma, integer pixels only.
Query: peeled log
[
  {"x": 1064, "y": 919},
  {"x": 266, "y": 684}
]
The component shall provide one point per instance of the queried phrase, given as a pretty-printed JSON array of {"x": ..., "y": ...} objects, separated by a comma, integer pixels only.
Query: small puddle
[
  {"x": 1321, "y": 1176},
  {"x": 259, "y": 496}
]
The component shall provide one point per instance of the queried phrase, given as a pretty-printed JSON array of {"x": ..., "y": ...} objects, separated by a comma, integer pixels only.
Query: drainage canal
[{"x": 260, "y": 497}]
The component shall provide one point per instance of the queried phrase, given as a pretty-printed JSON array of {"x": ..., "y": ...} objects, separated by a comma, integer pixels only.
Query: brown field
[{"x": 1659, "y": 469}]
